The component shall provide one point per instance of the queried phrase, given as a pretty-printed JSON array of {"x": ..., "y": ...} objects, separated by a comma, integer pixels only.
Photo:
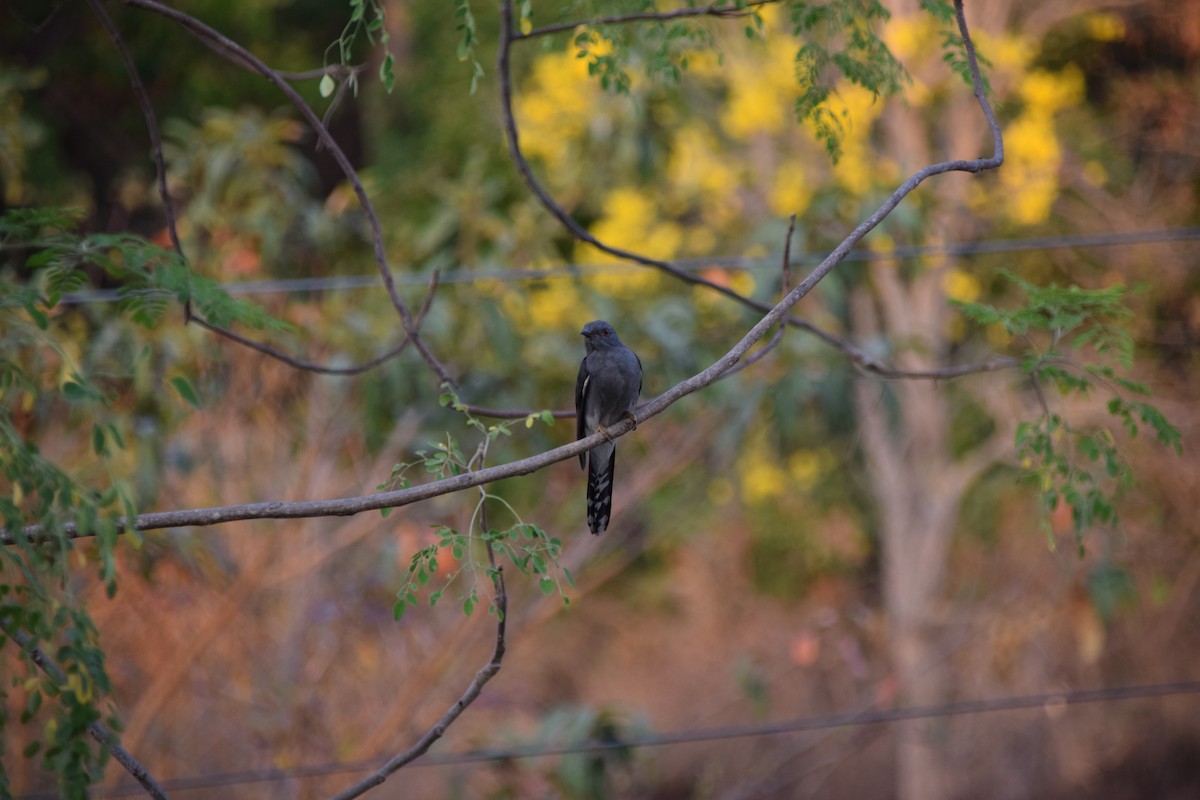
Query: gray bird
[{"x": 606, "y": 391}]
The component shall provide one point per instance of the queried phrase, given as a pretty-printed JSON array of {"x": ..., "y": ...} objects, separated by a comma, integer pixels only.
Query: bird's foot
[
  {"x": 629, "y": 416},
  {"x": 601, "y": 429}
]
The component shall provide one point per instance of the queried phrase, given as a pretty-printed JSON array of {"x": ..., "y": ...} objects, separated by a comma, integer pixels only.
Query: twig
[
  {"x": 785, "y": 280},
  {"x": 143, "y": 99},
  {"x": 336, "y": 71},
  {"x": 97, "y": 731},
  {"x": 712, "y": 10},
  {"x": 291, "y": 361},
  {"x": 312, "y": 366},
  {"x": 485, "y": 674}
]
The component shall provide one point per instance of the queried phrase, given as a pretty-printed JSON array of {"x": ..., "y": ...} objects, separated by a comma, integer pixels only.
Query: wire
[
  {"x": 1049, "y": 700},
  {"x": 335, "y": 283}
]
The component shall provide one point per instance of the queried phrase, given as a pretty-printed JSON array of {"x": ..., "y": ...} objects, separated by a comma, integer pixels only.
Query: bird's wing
[{"x": 581, "y": 387}]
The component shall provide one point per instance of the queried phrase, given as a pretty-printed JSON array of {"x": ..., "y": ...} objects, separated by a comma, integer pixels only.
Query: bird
[{"x": 606, "y": 391}]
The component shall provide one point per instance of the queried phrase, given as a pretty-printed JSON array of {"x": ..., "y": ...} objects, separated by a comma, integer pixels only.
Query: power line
[
  {"x": 1046, "y": 700},
  {"x": 337, "y": 283}
]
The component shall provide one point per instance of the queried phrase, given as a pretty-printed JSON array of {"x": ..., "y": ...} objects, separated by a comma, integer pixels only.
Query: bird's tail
[{"x": 602, "y": 465}]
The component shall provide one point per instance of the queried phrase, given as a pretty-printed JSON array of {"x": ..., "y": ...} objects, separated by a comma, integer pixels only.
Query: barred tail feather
[{"x": 600, "y": 487}]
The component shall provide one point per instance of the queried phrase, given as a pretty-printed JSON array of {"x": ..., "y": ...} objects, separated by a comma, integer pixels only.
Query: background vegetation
[{"x": 808, "y": 537}]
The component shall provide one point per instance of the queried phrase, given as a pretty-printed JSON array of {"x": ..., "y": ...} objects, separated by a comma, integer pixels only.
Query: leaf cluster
[
  {"x": 840, "y": 41},
  {"x": 367, "y": 20},
  {"x": 525, "y": 545},
  {"x": 1076, "y": 343}
]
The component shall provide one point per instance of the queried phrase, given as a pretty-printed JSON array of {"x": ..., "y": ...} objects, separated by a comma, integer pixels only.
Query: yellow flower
[
  {"x": 1047, "y": 92},
  {"x": 960, "y": 285},
  {"x": 554, "y": 109},
  {"x": 554, "y": 305},
  {"x": 912, "y": 37},
  {"x": 807, "y": 466},
  {"x": 630, "y": 222},
  {"x": 762, "y": 89},
  {"x": 1008, "y": 52},
  {"x": 693, "y": 167},
  {"x": 759, "y": 472},
  {"x": 790, "y": 192},
  {"x": 1104, "y": 26},
  {"x": 761, "y": 481}
]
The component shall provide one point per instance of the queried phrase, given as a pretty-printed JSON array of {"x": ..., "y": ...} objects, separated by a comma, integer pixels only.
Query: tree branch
[{"x": 712, "y": 10}]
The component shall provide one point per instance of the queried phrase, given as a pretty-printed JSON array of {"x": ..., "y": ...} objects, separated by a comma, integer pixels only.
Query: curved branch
[
  {"x": 155, "y": 133},
  {"x": 291, "y": 361},
  {"x": 863, "y": 361},
  {"x": 143, "y": 99},
  {"x": 485, "y": 674},
  {"x": 240, "y": 55},
  {"x": 312, "y": 366}
]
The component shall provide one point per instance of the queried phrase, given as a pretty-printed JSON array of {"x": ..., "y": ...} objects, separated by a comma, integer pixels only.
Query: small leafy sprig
[
  {"x": 367, "y": 18},
  {"x": 527, "y": 546},
  {"x": 469, "y": 39},
  {"x": 840, "y": 38},
  {"x": 1061, "y": 327}
]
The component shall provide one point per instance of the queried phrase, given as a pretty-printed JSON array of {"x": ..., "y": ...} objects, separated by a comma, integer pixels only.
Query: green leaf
[
  {"x": 184, "y": 387},
  {"x": 387, "y": 72},
  {"x": 546, "y": 584},
  {"x": 326, "y": 86},
  {"x": 75, "y": 391},
  {"x": 98, "y": 445}
]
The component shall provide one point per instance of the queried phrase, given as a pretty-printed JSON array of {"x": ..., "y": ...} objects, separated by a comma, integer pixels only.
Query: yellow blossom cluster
[
  {"x": 1033, "y": 150},
  {"x": 1030, "y": 175},
  {"x": 763, "y": 477},
  {"x": 556, "y": 107}
]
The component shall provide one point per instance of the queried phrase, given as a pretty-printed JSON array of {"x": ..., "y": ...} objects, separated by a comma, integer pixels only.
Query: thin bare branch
[
  {"x": 712, "y": 10},
  {"x": 98, "y": 731},
  {"x": 156, "y": 146},
  {"x": 335, "y": 71},
  {"x": 785, "y": 281},
  {"x": 143, "y": 99},
  {"x": 485, "y": 674},
  {"x": 291, "y": 361},
  {"x": 240, "y": 55}
]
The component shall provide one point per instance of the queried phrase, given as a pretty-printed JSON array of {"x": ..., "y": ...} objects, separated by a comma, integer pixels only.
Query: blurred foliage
[
  {"x": 54, "y": 382},
  {"x": 1055, "y": 325}
]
